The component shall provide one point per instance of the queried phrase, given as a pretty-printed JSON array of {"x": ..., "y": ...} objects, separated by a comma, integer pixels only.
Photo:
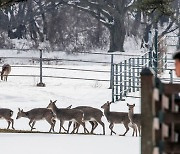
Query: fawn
[
  {"x": 116, "y": 118},
  {"x": 7, "y": 114},
  {"x": 6, "y": 69},
  {"x": 38, "y": 114},
  {"x": 134, "y": 118}
]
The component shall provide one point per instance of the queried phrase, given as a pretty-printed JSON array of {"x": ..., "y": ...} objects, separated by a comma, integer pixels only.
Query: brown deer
[
  {"x": 116, "y": 118},
  {"x": 6, "y": 69},
  {"x": 38, "y": 114},
  {"x": 7, "y": 114},
  {"x": 134, "y": 118},
  {"x": 66, "y": 114},
  {"x": 93, "y": 115}
]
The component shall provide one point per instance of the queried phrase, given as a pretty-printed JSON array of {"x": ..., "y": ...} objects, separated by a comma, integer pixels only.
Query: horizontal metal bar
[
  {"x": 62, "y": 68},
  {"x": 62, "y": 77}
]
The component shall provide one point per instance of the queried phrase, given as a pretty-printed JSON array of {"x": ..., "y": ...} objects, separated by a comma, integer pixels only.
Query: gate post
[
  {"x": 112, "y": 72},
  {"x": 147, "y": 111},
  {"x": 155, "y": 53},
  {"x": 40, "y": 84}
]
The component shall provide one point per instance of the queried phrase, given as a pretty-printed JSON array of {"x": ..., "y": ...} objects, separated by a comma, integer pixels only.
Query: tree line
[{"x": 86, "y": 24}]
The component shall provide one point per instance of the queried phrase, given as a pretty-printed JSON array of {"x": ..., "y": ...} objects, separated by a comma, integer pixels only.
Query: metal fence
[
  {"x": 126, "y": 74},
  {"x": 41, "y": 60}
]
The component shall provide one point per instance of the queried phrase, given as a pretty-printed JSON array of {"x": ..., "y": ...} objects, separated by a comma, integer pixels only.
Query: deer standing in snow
[
  {"x": 6, "y": 69},
  {"x": 134, "y": 118},
  {"x": 38, "y": 114},
  {"x": 7, "y": 114},
  {"x": 66, "y": 114},
  {"x": 117, "y": 118},
  {"x": 92, "y": 115}
]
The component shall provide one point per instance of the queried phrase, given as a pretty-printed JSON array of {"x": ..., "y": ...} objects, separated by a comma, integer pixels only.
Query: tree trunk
[
  {"x": 178, "y": 44},
  {"x": 117, "y": 36}
]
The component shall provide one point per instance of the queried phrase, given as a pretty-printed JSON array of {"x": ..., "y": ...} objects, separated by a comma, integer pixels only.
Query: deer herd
[{"x": 78, "y": 115}]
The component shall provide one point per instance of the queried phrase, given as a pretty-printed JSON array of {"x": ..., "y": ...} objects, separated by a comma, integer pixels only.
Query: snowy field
[{"x": 22, "y": 92}]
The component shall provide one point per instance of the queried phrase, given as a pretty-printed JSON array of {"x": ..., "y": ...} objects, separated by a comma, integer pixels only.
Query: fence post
[
  {"x": 112, "y": 81},
  {"x": 165, "y": 61},
  {"x": 116, "y": 73},
  {"x": 40, "y": 84},
  {"x": 138, "y": 70},
  {"x": 155, "y": 55},
  {"x": 171, "y": 76},
  {"x": 111, "y": 75},
  {"x": 130, "y": 75},
  {"x": 125, "y": 77},
  {"x": 133, "y": 72},
  {"x": 121, "y": 85},
  {"x": 150, "y": 58},
  {"x": 147, "y": 111}
]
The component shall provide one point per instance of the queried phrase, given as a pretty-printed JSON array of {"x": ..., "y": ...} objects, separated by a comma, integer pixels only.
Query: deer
[
  {"x": 66, "y": 114},
  {"x": 93, "y": 115},
  {"x": 7, "y": 114},
  {"x": 6, "y": 69},
  {"x": 37, "y": 114},
  {"x": 116, "y": 118},
  {"x": 134, "y": 118}
]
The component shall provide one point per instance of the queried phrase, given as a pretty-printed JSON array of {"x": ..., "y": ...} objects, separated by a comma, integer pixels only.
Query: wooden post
[
  {"x": 41, "y": 84},
  {"x": 147, "y": 111}
]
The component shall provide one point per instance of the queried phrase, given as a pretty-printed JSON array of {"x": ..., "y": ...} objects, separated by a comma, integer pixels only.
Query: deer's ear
[
  {"x": 55, "y": 101},
  {"x": 127, "y": 104},
  {"x": 22, "y": 110},
  {"x": 19, "y": 109},
  {"x": 133, "y": 104},
  {"x": 50, "y": 101}
]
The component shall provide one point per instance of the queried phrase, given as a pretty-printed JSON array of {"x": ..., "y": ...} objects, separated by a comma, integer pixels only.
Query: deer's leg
[
  {"x": 69, "y": 125},
  {"x": 61, "y": 126},
  {"x": 127, "y": 128},
  {"x": 103, "y": 126},
  {"x": 51, "y": 122},
  {"x": 111, "y": 128},
  {"x": 31, "y": 121},
  {"x": 139, "y": 129},
  {"x": 94, "y": 124},
  {"x": 134, "y": 129},
  {"x": 33, "y": 125},
  {"x": 54, "y": 122},
  {"x": 83, "y": 124},
  {"x": 12, "y": 123},
  {"x": 75, "y": 127},
  {"x": 9, "y": 122}
]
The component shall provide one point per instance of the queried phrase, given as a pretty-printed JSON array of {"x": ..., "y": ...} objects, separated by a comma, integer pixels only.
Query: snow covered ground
[{"x": 22, "y": 92}]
